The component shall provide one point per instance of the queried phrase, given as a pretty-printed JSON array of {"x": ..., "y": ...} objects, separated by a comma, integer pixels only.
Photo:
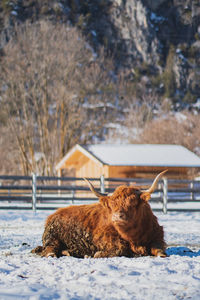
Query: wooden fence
[{"x": 42, "y": 192}]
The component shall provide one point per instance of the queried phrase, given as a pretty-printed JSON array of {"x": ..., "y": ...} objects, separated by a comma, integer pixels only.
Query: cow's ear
[
  {"x": 145, "y": 196},
  {"x": 104, "y": 201}
]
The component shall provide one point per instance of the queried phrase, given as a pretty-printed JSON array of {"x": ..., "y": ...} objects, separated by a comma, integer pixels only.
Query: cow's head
[{"x": 127, "y": 201}]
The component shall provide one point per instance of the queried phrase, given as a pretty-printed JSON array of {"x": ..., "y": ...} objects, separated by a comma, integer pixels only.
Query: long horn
[
  {"x": 154, "y": 184},
  {"x": 93, "y": 189}
]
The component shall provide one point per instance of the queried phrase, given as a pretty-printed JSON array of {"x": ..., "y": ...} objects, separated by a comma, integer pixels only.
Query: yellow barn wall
[
  {"x": 145, "y": 172},
  {"x": 90, "y": 169},
  {"x": 119, "y": 171}
]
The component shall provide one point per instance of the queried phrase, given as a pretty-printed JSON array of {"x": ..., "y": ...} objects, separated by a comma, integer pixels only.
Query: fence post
[
  {"x": 102, "y": 184},
  {"x": 73, "y": 195},
  {"x": 165, "y": 192},
  {"x": 192, "y": 193},
  {"x": 34, "y": 191}
]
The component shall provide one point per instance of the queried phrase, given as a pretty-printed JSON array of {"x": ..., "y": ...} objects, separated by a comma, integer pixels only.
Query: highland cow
[{"x": 121, "y": 224}]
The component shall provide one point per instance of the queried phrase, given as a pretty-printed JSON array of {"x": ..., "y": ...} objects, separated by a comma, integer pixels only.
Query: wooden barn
[{"x": 128, "y": 161}]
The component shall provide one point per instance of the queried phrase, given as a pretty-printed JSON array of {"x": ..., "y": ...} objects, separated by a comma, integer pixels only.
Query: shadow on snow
[{"x": 182, "y": 251}]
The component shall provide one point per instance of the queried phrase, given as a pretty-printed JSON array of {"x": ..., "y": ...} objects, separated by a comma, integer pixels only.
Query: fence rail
[{"x": 42, "y": 192}]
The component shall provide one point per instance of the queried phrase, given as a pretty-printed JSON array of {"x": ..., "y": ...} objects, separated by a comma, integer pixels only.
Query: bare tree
[
  {"x": 137, "y": 105},
  {"x": 182, "y": 129},
  {"x": 48, "y": 75},
  {"x": 9, "y": 158}
]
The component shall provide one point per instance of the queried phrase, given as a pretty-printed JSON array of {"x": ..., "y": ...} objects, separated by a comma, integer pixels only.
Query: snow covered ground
[{"x": 26, "y": 276}]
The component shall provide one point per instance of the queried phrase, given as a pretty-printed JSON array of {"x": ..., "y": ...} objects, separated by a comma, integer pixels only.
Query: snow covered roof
[
  {"x": 144, "y": 155},
  {"x": 137, "y": 155}
]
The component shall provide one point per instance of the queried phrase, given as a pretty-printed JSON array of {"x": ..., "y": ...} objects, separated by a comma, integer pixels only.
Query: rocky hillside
[
  {"x": 155, "y": 39},
  {"x": 92, "y": 71},
  {"x": 160, "y": 39}
]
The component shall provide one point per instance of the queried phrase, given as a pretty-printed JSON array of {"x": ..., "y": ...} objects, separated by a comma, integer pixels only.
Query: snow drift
[{"x": 27, "y": 276}]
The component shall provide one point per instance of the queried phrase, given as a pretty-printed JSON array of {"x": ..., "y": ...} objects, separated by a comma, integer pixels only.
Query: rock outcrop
[{"x": 136, "y": 32}]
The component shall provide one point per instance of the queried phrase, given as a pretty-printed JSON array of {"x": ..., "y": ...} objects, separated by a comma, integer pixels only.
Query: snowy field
[{"x": 26, "y": 276}]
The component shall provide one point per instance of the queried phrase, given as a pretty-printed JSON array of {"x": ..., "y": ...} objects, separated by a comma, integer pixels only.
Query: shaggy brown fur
[
  {"x": 119, "y": 225},
  {"x": 135, "y": 222}
]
